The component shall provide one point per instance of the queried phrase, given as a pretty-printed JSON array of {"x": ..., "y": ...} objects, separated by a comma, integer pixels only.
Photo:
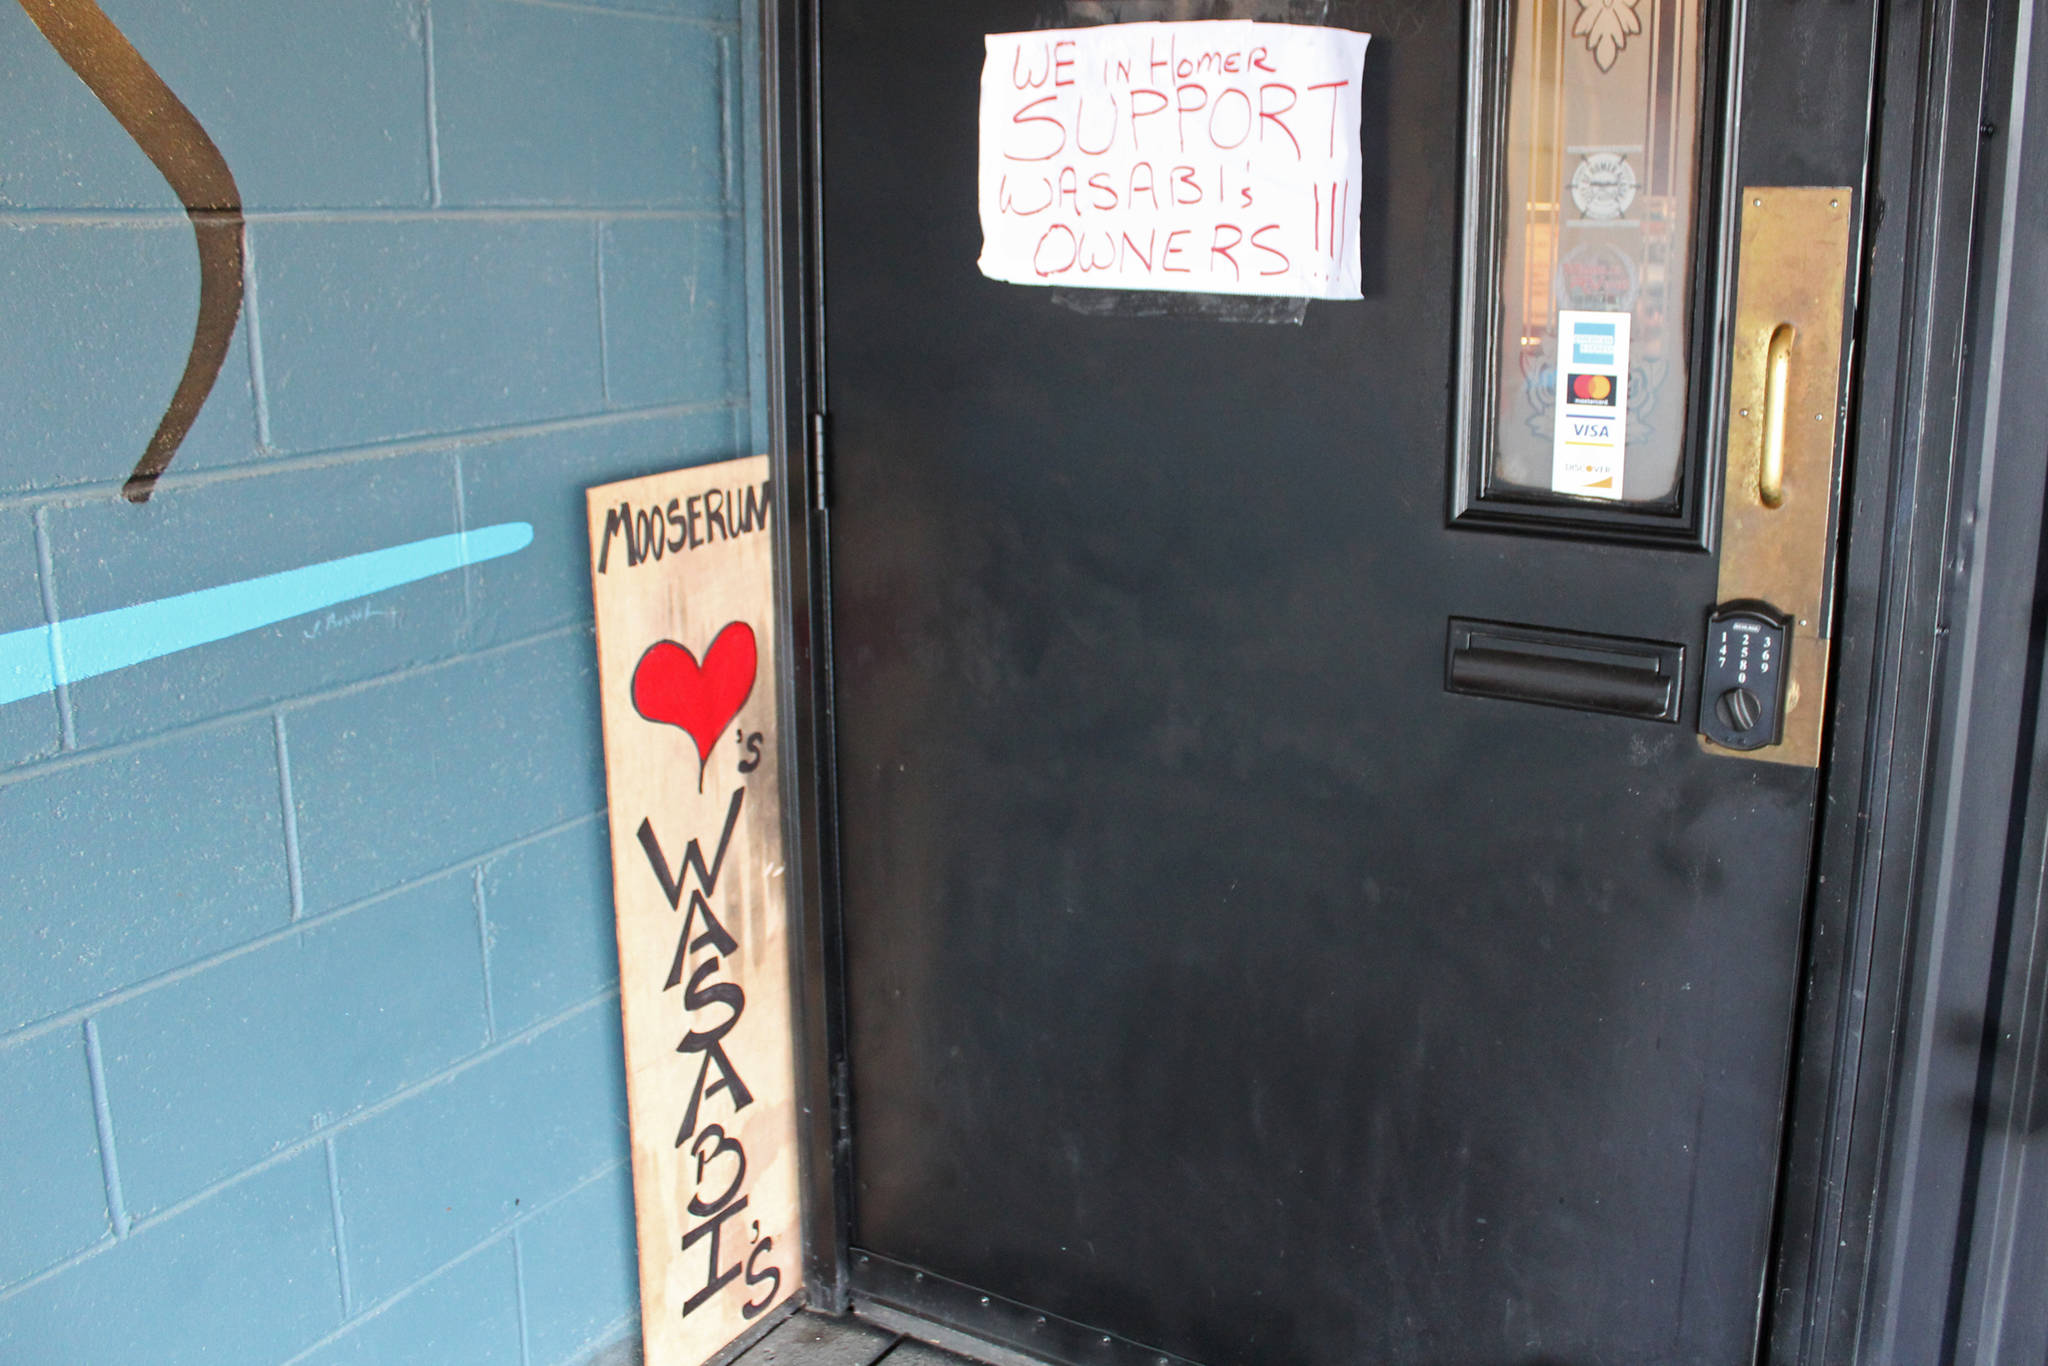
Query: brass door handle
[{"x": 1770, "y": 474}]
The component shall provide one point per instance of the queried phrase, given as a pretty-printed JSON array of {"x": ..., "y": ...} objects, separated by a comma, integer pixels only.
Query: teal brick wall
[{"x": 309, "y": 1046}]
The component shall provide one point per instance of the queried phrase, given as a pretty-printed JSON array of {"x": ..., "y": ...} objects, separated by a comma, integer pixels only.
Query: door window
[{"x": 1585, "y": 198}]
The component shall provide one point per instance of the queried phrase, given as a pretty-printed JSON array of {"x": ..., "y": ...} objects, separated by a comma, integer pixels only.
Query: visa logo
[{"x": 1590, "y": 429}]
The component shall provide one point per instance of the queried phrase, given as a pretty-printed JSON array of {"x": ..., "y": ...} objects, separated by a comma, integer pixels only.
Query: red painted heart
[{"x": 670, "y": 687}]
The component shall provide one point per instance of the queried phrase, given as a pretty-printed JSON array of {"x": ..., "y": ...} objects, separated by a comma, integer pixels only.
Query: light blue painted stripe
[{"x": 32, "y": 660}]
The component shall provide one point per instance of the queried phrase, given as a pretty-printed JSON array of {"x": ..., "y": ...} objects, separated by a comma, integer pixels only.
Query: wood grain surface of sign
[{"x": 682, "y": 572}]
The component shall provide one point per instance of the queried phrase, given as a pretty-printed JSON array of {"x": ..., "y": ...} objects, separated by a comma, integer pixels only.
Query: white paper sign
[
  {"x": 1216, "y": 157},
  {"x": 1592, "y": 404}
]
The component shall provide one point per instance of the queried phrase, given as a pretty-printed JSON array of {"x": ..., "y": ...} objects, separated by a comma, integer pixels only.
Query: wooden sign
[{"x": 682, "y": 570}]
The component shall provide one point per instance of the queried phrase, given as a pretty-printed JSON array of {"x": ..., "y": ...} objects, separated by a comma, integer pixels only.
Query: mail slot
[{"x": 1576, "y": 669}]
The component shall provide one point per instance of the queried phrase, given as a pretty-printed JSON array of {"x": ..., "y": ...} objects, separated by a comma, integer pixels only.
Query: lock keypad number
[{"x": 1742, "y": 700}]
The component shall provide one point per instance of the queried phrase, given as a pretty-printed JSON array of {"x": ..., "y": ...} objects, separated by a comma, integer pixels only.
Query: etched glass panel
[{"x": 1598, "y": 179}]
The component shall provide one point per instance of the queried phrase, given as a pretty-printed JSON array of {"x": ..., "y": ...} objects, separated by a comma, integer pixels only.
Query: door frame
[{"x": 1925, "y": 797}]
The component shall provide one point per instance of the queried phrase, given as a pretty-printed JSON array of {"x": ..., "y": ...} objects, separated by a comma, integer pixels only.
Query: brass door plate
[{"x": 1793, "y": 269}]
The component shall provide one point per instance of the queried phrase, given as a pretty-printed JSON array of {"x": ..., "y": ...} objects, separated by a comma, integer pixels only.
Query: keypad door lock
[{"x": 1742, "y": 699}]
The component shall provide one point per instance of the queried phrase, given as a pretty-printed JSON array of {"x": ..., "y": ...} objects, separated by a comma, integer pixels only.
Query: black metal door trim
[
  {"x": 1891, "y": 1249},
  {"x": 795, "y": 309},
  {"x": 995, "y": 1319},
  {"x": 1889, "y": 717}
]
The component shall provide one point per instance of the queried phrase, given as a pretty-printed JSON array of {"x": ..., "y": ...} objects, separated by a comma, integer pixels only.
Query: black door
[{"x": 1286, "y": 917}]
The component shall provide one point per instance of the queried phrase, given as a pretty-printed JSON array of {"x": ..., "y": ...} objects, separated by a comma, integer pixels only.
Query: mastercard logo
[{"x": 1591, "y": 389}]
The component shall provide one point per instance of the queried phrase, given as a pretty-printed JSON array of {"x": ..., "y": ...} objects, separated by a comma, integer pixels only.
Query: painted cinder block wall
[{"x": 309, "y": 1048}]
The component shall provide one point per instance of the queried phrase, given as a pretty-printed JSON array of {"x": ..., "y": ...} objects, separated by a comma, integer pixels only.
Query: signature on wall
[{"x": 179, "y": 147}]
